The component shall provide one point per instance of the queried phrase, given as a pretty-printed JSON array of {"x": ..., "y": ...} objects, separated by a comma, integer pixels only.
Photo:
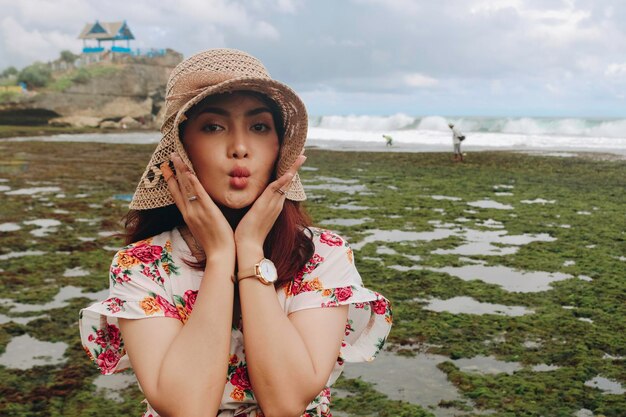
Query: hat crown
[{"x": 231, "y": 62}]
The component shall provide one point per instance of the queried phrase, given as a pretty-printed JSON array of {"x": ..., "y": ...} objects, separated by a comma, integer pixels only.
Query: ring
[
  {"x": 281, "y": 192},
  {"x": 192, "y": 198}
]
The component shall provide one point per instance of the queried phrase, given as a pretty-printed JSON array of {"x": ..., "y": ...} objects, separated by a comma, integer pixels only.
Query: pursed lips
[{"x": 239, "y": 177}]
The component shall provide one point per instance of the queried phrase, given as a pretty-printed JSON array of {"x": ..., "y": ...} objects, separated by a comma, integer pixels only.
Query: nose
[{"x": 238, "y": 145}]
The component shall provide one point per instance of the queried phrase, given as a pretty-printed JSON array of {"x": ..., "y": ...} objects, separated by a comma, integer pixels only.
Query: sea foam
[{"x": 610, "y": 128}]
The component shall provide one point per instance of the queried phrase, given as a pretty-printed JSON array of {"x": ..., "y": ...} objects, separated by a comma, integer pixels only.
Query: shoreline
[
  {"x": 589, "y": 153},
  {"x": 142, "y": 136}
]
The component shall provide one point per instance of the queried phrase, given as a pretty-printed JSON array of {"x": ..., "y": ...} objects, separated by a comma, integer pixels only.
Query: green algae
[
  {"x": 364, "y": 400},
  {"x": 588, "y": 198}
]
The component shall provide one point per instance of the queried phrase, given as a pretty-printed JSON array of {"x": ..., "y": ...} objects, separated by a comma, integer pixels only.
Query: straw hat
[{"x": 213, "y": 72}]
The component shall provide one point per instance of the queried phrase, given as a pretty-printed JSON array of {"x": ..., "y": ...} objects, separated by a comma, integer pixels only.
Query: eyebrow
[{"x": 222, "y": 112}]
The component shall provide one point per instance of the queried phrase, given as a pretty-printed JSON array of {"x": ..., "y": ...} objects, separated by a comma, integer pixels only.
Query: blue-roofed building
[{"x": 106, "y": 32}]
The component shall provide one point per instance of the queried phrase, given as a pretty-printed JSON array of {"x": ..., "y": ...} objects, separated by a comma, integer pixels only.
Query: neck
[{"x": 234, "y": 216}]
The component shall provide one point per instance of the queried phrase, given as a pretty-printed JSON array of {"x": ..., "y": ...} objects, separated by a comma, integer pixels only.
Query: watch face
[{"x": 268, "y": 270}]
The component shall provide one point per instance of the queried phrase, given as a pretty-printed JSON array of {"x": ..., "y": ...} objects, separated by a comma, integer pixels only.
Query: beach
[
  {"x": 559, "y": 137},
  {"x": 505, "y": 272}
]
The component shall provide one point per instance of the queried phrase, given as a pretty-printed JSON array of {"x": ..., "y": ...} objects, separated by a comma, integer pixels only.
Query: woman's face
[{"x": 233, "y": 145}]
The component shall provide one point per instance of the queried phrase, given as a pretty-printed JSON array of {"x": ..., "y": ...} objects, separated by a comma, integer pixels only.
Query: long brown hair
[{"x": 289, "y": 243}]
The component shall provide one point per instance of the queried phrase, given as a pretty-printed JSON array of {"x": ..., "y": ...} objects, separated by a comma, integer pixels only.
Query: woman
[{"x": 226, "y": 302}]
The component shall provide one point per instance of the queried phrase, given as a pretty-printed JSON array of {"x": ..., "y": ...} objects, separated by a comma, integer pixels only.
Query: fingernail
[{"x": 166, "y": 170}]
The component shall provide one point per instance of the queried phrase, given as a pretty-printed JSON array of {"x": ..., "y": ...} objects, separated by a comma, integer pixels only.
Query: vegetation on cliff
[
  {"x": 37, "y": 75},
  {"x": 82, "y": 75}
]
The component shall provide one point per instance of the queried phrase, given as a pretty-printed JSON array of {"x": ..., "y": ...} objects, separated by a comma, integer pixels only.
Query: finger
[
  {"x": 172, "y": 185},
  {"x": 199, "y": 191},
  {"x": 183, "y": 176},
  {"x": 300, "y": 160},
  {"x": 284, "y": 181}
]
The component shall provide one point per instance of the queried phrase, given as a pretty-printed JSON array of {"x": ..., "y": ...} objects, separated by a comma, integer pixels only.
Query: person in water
[{"x": 457, "y": 138}]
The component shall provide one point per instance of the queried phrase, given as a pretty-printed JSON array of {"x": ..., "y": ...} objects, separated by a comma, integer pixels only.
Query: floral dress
[{"x": 150, "y": 279}]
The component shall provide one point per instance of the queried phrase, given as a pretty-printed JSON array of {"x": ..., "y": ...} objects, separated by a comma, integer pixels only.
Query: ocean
[
  {"x": 482, "y": 133},
  {"x": 431, "y": 133}
]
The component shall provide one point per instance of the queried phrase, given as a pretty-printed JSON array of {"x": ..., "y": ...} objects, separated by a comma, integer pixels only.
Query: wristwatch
[{"x": 264, "y": 271}]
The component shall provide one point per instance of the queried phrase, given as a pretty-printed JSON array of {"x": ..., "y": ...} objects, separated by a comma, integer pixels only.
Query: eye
[
  {"x": 260, "y": 127},
  {"x": 212, "y": 127}
]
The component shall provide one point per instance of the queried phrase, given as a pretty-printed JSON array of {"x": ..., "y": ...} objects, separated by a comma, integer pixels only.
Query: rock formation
[{"x": 119, "y": 87}]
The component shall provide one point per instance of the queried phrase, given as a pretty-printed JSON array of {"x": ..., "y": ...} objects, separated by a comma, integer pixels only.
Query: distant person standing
[
  {"x": 389, "y": 140},
  {"x": 457, "y": 138}
]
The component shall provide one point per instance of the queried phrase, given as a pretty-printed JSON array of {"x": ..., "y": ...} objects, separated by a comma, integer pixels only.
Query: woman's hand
[
  {"x": 259, "y": 220},
  {"x": 205, "y": 220}
]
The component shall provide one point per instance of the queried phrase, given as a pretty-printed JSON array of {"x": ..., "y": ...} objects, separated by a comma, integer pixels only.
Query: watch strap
[{"x": 252, "y": 272}]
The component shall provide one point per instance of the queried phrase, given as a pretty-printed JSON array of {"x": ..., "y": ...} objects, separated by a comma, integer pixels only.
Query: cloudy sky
[{"x": 419, "y": 57}]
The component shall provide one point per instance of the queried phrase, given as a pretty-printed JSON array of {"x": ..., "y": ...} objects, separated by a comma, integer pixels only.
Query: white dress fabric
[{"x": 150, "y": 279}]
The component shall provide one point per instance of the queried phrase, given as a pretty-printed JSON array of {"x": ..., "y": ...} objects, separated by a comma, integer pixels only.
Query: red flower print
[
  {"x": 190, "y": 299},
  {"x": 145, "y": 253},
  {"x": 240, "y": 378},
  {"x": 343, "y": 293},
  {"x": 146, "y": 271},
  {"x": 115, "y": 337},
  {"x": 107, "y": 360},
  {"x": 168, "y": 309},
  {"x": 312, "y": 263},
  {"x": 379, "y": 306},
  {"x": 119, "y": 275},
  {"x": 114, "y": 305},
  {"x": 348, "y": 329},
  {"x": 107, "y": 337},
  {"x": 295, "y": 286},
  {"x": 331, "y": 239},
  {"x": 122, "y": 279},
  {"x": 299, "y": 275}
]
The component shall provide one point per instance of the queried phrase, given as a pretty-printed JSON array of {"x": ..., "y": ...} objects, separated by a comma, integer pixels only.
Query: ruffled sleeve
[
  {"x": 331, "y": 279},
  {"x": 138, "y": 279}
]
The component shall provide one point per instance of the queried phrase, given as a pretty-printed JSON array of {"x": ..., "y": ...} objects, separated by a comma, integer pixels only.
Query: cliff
[{"x": 111, "y": 89}]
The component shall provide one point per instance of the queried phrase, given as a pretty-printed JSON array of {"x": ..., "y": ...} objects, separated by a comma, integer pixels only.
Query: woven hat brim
[{"x": 152, "y": 191}]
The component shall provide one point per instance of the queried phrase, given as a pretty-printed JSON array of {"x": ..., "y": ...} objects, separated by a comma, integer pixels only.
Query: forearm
[
  {"x": 193, "y": 373},
  {"x": 280, "y": 367}
]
